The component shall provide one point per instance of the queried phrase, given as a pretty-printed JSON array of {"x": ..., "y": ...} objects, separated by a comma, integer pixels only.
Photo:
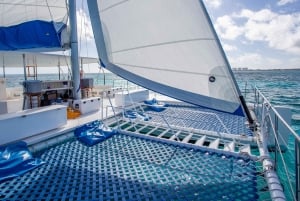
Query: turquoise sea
[{"x": 281, "y": 87}]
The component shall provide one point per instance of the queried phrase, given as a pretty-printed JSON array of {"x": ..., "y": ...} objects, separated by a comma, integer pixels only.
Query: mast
[{"x": 74, "y": 51}]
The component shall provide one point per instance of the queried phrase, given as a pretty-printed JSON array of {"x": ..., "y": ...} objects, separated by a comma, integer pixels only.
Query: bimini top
[
  {"x": 15, "y": 59},
  {"x": 33, "y": 25},
  {"x": 167, "y": 46}
]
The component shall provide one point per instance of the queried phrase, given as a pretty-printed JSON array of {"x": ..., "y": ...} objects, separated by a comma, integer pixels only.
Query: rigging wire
[
  {"x": 53, "y": 22},
  {"x": 83, "y": 35},
  {"x": 50, "y": 13}
]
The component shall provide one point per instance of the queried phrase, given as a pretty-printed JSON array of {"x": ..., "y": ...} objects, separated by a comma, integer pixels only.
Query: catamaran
[{"x": 201, "y": 142}]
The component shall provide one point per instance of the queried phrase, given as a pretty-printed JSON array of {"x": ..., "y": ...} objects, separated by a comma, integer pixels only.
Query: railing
[
  {"x": 286, "y": 154},
  {"x": 114, "y": 82}
]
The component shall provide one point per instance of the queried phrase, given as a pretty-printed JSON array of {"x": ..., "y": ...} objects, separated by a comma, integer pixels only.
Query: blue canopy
[{"x": 36, "y": 34}]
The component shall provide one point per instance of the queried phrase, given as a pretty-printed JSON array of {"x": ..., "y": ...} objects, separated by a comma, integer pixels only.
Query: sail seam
[
  {"x": 165, "y": 43},
  {"x": 114, "y": 5},
  {"x": 35, "y": 5},
  {"x": 167, "y": 70}
]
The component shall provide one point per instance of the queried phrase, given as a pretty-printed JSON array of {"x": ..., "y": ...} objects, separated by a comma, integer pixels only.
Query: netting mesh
[
  {"x": 130, "y": 168},
  {"x": 178, "y": 114}
]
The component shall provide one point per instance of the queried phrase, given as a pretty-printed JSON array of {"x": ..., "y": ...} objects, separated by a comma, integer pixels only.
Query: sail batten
[
  {"x": 159, "y": 69},
  {"x": 167, "y": 46},
  {"x": 163, "y": 43}
]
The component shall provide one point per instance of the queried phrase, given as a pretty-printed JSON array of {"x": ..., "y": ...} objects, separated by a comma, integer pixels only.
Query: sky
[{"x": 258, "y": 34}]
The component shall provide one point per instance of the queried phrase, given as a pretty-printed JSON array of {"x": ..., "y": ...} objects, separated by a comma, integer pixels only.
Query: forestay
[
  {"x": 167, "y": 46},
  {"x": 35, "y": 25}
]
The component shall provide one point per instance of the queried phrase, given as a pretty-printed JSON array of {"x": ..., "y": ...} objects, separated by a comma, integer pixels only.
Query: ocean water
[{"x": 281, "y": 87}]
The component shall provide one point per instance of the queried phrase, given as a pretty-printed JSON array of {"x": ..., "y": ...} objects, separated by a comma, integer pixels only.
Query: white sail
[
  {"x": 33, "y": 25},
  {"x": 168, "y": 46}
]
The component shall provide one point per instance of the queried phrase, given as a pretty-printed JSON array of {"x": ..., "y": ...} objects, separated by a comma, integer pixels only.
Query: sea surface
[{"x": 280, "y": 87}]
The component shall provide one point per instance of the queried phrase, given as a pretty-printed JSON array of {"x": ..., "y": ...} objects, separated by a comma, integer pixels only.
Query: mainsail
[
  {"x": 33, "y": 25},
  {"x": 168, "y": 46}
]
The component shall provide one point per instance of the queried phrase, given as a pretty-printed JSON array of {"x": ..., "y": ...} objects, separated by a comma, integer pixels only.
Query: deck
[
  {"x": 130, "y": 168},
  {"x": 168, "y": 157}
]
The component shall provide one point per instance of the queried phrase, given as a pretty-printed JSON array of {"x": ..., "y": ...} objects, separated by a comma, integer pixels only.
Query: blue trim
[
  {"x": 102, "y": 64},
  {"x": 239, "y": 111},
  {"x": 31, "y": 35}
]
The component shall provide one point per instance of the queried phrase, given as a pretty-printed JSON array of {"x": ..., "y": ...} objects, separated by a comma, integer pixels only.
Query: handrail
[
  {"x": 278, "y": 118},
  {"x": 268, "y": 163}
]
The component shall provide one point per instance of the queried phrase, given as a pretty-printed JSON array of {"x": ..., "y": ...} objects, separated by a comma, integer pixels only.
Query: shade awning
[{"x": 15, "y": 59}]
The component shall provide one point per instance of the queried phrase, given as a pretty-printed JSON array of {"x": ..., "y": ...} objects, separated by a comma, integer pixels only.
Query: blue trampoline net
[
  {"x": 189, "y": 116},
  {"x": 130, "y": 168}
]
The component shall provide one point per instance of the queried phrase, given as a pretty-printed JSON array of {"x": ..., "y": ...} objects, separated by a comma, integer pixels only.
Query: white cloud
[
  {"x": 283, "y": 2},
  {"x": 255, "y": 61},
  {"x": 281, "y": 32},
  {"x": 264, "y": 15},
  {"x": 213, "y": 3},
  {"x": 278, "y": 31},
  {"x": 229, "y": 47},
  {"x": 227, "y": 28}
]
